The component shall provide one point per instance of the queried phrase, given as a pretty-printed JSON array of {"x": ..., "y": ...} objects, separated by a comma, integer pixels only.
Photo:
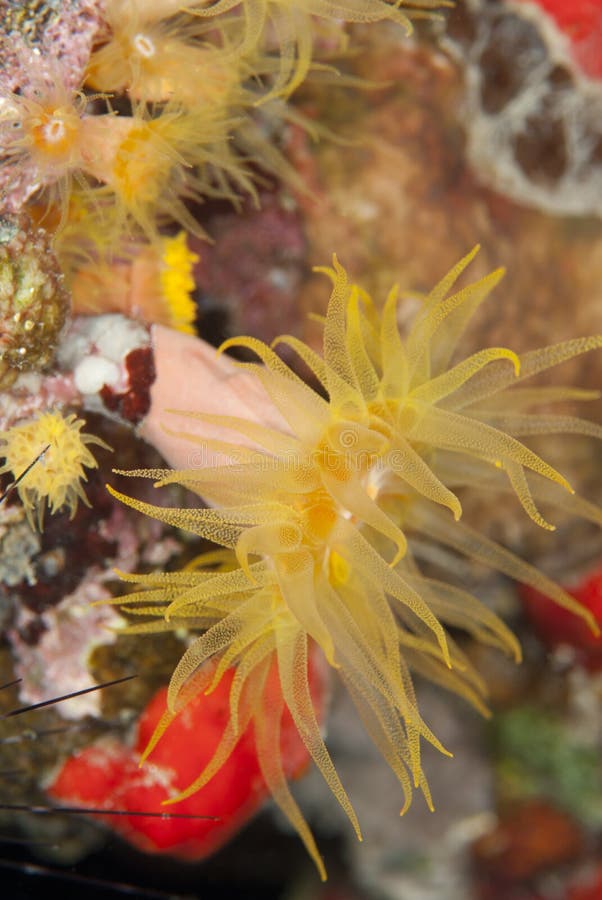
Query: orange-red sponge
[
  {"x": 108, "y": 775},
  {"x": 558, "y": 627}
]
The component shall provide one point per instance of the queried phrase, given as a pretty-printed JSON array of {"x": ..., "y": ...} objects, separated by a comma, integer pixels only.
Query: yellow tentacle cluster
[{"x": 324, "y": 524}]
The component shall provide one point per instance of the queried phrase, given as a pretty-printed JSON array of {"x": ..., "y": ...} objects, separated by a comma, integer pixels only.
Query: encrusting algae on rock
[
  {"x": 325, "y": 522},
  {"x": 34, "y": 301}
]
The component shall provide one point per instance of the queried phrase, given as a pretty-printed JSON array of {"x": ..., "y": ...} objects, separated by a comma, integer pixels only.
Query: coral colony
[
  {"x": 326, "y": 496},
  {"x": 320, "y": 515}
]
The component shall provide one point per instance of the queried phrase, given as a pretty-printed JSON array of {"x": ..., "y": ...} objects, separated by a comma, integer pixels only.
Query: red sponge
[
  {"x": 107, "y": 775},
  {"x": 556, "y": 625},
  {"x": 581, "y": 22}
]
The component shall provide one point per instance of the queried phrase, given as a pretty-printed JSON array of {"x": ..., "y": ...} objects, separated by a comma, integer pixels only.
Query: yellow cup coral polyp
[
  {"x": 326, "y": 521},
  {"x": 290, "y": 21},
  {"x": 59, "y": 452}
]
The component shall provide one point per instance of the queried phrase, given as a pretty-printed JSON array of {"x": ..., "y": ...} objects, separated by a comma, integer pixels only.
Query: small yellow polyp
[{"x": 62, "y": 453}]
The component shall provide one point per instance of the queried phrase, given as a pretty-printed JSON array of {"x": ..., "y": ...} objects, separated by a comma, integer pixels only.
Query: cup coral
[
  {"x": 149, "y": 282},
  {"x": 291, "y": 22},
  {"x": 325, "y": 521},
  {"x": 184, "y": 118},
  {"x": 155, "y": 60},
  {"x": 44, "y": 127},
  {"x": 127, "y": 173},
  {"x": 60, "y": 451}
]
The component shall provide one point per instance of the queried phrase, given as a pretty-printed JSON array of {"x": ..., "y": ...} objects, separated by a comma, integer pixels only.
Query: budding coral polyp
[{"x": 324, "y": 525}]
